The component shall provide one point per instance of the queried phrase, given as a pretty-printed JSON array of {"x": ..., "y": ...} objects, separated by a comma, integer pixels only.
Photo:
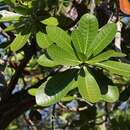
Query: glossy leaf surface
[
  {"x": 105, "y": 56},
  {"x": 19, "y": 41},
  {"x": 60, "y": 37},
  {"x": 102, "y": 39},
  {"x": 52, "y": 21},
  {"x": 84, "y": 35},
  {"x": 88, "y": 86},
  {"x": 44, "y": 61},
  {"x": 61, "y": 56},
  {"x": 42, "y": 40},
  {"x": 116, "y": 67}
]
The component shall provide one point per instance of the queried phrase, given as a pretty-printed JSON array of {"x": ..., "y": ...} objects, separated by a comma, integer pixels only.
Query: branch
[
  {"x": 19, "y": 103},
  {"x": 18, "y": 72}
]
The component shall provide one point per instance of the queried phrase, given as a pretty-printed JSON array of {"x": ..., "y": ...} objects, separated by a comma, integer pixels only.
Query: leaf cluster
[{"x": 82, "y": 51}]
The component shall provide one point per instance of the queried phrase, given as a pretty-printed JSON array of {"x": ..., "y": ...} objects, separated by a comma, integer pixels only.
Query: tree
[{"x": 63, "y": 52}]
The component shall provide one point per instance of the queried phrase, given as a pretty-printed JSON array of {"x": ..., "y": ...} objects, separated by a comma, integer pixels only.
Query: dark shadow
[
  {"x": 102, "y": 80},
  {"x": 58, "y": 82},
  {"x": 125, "y": 94}
]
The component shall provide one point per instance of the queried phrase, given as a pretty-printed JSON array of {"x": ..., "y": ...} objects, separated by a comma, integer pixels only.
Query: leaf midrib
[{"x": 121, "y": 70}]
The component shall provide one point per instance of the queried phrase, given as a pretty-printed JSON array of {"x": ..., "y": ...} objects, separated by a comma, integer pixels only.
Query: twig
[
  {"x": 118, "y": 36},
  {"x": 30, "y": 124},
  {"x": 15, "y": 108},
  {"x": 72, "y": 110},
  {"x": 4, "y": 33},
  {"x": 118, "y": 41},
  {"x": 53, "y": 117},
  {"x": 16, "y": 76},
  {"x": 92, "y": 6}
]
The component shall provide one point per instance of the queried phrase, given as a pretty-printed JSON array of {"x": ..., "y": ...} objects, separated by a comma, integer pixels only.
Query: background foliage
[{"x": 64, "y": 65}]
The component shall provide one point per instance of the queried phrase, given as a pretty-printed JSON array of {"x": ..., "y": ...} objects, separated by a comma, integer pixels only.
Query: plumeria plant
[{"x": 81, "y": 52}]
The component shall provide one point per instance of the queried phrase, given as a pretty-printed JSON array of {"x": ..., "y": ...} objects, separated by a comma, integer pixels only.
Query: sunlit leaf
[
  {"x": 62, "y": 57},
  {"x": 67, "y": 98},
  {"x": 84, "y": 35},
  {"x": 88, "y": 86},
  {"x": 52, "y": 21},
  {"x": 19, "y": 41},
  {"x": 102, "y": 39},
  {"x": 112, "y": 94},
  {"x": 32, "y": 91},
  {"x": 105, "y": 56},
  {"x": 42, "y": 40},
  {"x": 44, "y": 61},
  {"x": 87, "y": 30},
  {"x": 9, "y": 28},
  {"x": 116, "y": 67},
  {"x": 7, "y": 16},
  {"x": 60, "y": 37}
]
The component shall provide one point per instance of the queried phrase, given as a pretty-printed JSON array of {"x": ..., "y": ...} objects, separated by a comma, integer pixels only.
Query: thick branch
[
  {"x": 18, "y": 104},
  {"x": 18, "y": 72}
]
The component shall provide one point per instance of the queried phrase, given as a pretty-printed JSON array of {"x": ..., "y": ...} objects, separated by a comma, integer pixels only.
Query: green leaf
[
  {"x": 9, "y": 19},
  {"x": 19, "y": 42},
  {"x": 116, "y": 67},
  {"x": 44, "y": 61},
  {"x": 32, "y": 91},
  {"x": 60, "y": 37},
  {"x": 56, "y": 88},
  {"x": 7, "y": 16},
  {"x": 62, "y": 57},
  {"x": 10, "y": 2},
  {"x": 68, "y": 98},
  {"x": 105, "y": 56},
  {"x": 52, "y": 21},
  {"x": 103, "y": 39},
  {"x": 112, "y": 94},
  {"x": 9, "y": 28},
  {"x": 42, "y": 40},
  {"x": 88, "y": 86},
  {"x": 22, "y": 9},
  {"x": 79, "y": 44},
  {"x": 84, "y": 35}
]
